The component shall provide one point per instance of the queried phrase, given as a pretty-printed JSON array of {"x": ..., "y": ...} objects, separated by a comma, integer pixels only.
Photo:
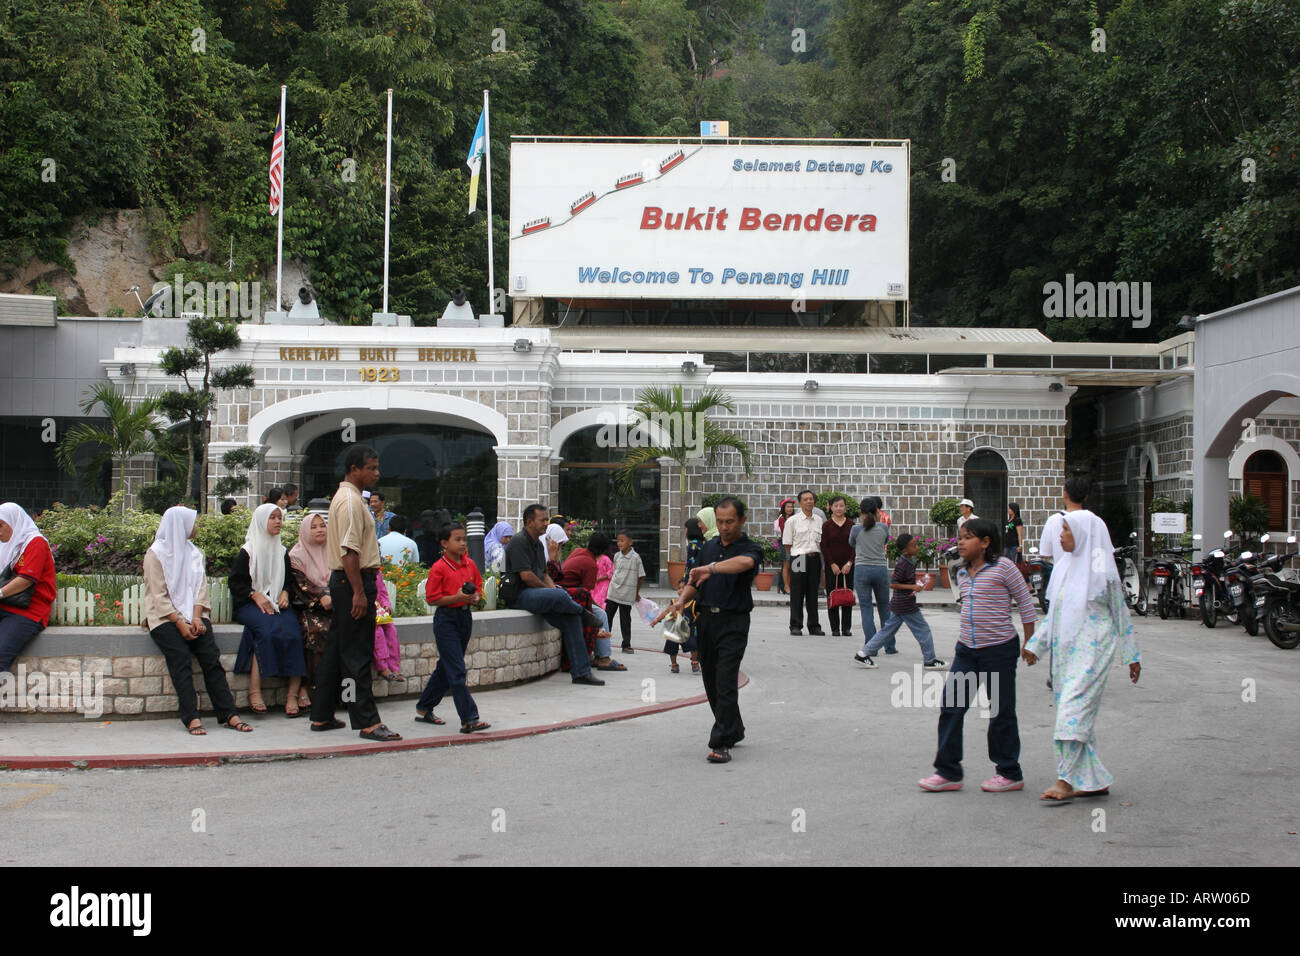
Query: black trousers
[
  {"x": 841, "y": 617},
  {"x": 345, "y": 664},
  {"x": 995, "y": 667},
  {"x": 723, "y": 636},
  {"x": 624, "y": 619},
  {"x": 803, "y": 589},
  {"x": 176, "y": 651}
]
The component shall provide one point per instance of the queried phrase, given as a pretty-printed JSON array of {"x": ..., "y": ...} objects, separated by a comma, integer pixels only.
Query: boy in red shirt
[{"x": 454, "y": 584}]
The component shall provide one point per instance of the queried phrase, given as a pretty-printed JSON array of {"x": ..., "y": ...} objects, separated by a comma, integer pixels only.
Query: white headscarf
[
  {"x": 24, "y": 531},
  {"x": 265, "y": 554},
  {"x": 1084, "y": 574},
  {"x": 556, "y": 533},
  {"x": 182, "y": 562}
]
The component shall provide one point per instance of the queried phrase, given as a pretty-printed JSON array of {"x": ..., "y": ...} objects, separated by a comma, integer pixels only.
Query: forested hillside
[{"x": 1162, "y": 150}]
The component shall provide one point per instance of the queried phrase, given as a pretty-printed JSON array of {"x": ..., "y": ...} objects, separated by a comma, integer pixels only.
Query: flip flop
[
  {"x": 477, "y": 725},
  {"x": 196, "y": 731},
  {"x": 429, "y": 718},
  {"x": 1105, "y": 792},
  {"x": 1055, "y": 801},
  {"x": 243, "y": 726},
  {"x": 613, "y": 665}
]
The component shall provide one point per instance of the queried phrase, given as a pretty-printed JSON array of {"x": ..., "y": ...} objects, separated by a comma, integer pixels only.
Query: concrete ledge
[{"x": 68, "y": 673}]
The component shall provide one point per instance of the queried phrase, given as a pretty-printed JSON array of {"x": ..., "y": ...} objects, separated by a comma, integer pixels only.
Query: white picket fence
[{"x": 76, "y": 605}]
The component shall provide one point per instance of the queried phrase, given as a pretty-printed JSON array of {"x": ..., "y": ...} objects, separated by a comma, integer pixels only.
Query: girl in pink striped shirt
[{"x": 988, "y": 650}]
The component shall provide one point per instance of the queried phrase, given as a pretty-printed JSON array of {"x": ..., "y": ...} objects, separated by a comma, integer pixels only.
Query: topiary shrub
[
  {"x": 161, "y": 495},
  {"x": 945, "y": 513},
  {"x": 851, "y": 509}
]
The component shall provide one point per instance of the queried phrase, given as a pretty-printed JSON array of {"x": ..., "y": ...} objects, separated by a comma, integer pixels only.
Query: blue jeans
[
  {"x": 983, "y": 664},
  {"x": 602, "y": 643},
  {"x": 873, "y": 580},
  {"x": 915, "y": 623},
  {"x": 16, "y": 632},
  {"x": 563, "y": 612},
  {"x": 452, "y": 627}
]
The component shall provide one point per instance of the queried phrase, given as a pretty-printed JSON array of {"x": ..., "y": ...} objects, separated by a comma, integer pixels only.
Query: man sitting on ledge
[{"x": 526, "y": 559}]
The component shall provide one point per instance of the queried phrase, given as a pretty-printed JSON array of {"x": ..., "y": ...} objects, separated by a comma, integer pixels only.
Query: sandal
[
  {"x": 475, "y": 725},
  {"x": 613, "y": 665},
  {"x": 234, "y": 723},
  {"x": 256, "y": 702},
  {"x": 695, "y": 667},
  {"x": 429, "y": 718},
  {"x": 304, "y": 701},
  {"x": 295, "y": 712},
  {"x": 674, "y": 669},
  {"x": 196, "y": 728}
]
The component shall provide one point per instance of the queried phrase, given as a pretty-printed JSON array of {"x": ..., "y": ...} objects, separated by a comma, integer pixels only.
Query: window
[
  {"x": 986, "y": 485},
  {"x": 1265, "y": 477}
]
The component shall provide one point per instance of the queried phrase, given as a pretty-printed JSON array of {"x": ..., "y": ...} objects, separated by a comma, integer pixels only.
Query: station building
[{"x": 836, "y": 393}]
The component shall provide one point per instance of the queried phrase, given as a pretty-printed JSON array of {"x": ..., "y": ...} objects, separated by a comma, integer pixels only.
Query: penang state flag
[
  {"x": 277, "y": 165},
  {"x": 475, "y": 160}
]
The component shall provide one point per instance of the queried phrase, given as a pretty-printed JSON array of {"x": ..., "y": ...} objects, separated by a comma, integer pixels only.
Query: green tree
[
  {"x": 193, "y": 405},
  {"x": 668, "y": 408},
  {"x": 238, "y": 463},
  {"x": 131, "y": 429}
]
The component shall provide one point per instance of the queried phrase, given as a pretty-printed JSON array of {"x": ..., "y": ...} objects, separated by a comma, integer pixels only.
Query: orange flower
[{"x": 96, "y": 597}]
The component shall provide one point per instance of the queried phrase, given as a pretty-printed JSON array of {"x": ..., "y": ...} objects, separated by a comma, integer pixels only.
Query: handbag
[
  {"x": 509, "y": 589},
  {"x": 841, "y": 597},
  {"x": 23, "y": 598}
]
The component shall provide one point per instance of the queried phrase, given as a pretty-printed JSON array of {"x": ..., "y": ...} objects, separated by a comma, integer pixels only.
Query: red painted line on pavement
[{"x": 226, "y": 757}]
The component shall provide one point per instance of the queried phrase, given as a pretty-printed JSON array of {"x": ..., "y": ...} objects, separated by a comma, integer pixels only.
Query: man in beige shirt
[
  {"x": 353, "y": 551},
  {"x": 802, "y": 538}
]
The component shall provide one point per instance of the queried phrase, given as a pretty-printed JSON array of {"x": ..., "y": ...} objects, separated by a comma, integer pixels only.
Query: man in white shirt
[
  {"x": 396, "y": 546},
  {"x": 802, "y": 538},
  {"x": 967, "y": 511}
]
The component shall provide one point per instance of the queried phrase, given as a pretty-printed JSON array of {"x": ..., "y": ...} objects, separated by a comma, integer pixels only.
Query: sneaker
[
  {"x": 869, "y": 661},
  {"x": 796, "y": 632},
  {"x": 891, "y": 650},
  {"x": 589, "y": 679},
  {"x": 627, "y": 649},
  {"x": 817, "y": 633},
  {"x": 936, "y": 663},
  {"x": 847, "y": 632},
  {"x": 935, "y": 783},
  {"x": 1000, "y": 784},
  {"x": 835, "y": 633}
]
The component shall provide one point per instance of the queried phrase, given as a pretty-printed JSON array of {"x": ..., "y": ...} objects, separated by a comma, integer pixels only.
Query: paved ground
[{"x": 826, "y": 775}]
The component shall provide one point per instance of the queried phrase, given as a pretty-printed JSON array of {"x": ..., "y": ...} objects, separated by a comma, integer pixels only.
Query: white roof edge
[{"x": 1248, "y": 305}]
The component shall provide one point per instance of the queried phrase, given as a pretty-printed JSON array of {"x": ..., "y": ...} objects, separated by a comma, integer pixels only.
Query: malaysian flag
[{"x": 277, "y": 165}]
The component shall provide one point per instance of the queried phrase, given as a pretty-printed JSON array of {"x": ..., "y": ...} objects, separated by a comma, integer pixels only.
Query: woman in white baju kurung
[{"x": 1087, "y": 626}]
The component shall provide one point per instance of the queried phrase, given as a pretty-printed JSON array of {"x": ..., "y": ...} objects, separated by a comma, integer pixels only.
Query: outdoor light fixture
[
  {"x": 1056, "y": 387},
  {"x": 1187, "y": 323},
  {"x": 523, "y": 345},
  {"x": 126, "y": 370},
  {"x": 688, "y": 367},
  {"x": 810, "y": 385}
]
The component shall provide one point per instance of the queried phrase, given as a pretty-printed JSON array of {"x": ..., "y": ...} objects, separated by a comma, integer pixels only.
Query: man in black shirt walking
[{"x": 720, "y": 586}]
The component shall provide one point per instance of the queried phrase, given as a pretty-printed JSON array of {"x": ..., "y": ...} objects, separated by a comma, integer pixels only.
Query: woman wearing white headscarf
[
  {"x": 555, "y": 536},
  {"x": 26, "y": 582},
  {"x": 1087, "y": 626},
  {"x": 175, "y": 608},
  {"x": 272, "y": 641}
]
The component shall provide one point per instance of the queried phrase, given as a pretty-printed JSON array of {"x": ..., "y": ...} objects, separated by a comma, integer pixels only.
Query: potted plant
[{"x": 771, "y": 564}]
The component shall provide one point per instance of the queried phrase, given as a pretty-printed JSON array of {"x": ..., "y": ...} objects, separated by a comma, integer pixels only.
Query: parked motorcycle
[
  {"x": 953, "y": 560},
  {"x": 1171, "y": 587},
  {"x": 1037, "y": 572},
  {"x": 1215, "y": 598},
  {"x": 1277, "y": 598},
  {"x": 1135, "y": 592}
]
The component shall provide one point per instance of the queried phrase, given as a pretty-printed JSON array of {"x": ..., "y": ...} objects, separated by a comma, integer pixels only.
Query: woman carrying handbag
[{"x": 837, "y": 564}]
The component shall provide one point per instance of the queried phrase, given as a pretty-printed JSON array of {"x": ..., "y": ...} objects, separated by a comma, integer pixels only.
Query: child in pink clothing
[
  {"x": 604, "y": 571},
  {"x": 388, "y": 652}
]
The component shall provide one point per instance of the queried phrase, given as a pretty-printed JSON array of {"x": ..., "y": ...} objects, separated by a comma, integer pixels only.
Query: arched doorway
[
  {"x": 1265, "y": 477},
  {"x": 588, "y": 489},
  {"x": 422, "y": 467},
  {"x": 986, "y": 484}
]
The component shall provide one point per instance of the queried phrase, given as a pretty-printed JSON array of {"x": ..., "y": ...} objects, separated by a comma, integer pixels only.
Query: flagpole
[
  {"x": 388, "y": 193},
  {"x": 487, "y": 157},
  {"x": 279, "y": 232}
]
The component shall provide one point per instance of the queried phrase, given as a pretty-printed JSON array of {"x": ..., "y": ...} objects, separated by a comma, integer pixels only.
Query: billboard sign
[{"x": 709, "y": 220}]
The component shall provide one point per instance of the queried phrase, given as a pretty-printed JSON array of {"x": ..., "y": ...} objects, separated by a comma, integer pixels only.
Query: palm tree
[
  {"x": 130, "y": 430},
  {"x": 686, "y": 433}
]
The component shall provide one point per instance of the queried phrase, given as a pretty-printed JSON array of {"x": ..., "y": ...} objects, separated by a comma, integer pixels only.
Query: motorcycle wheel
[
  {"x": 1274, "y": 616},
  {"x": 1162, "y": 605},
  {"x": 1250, "y": 622},
  {"x": 1209, "y": 613},
  {"x": 1140, "y": 605}
]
